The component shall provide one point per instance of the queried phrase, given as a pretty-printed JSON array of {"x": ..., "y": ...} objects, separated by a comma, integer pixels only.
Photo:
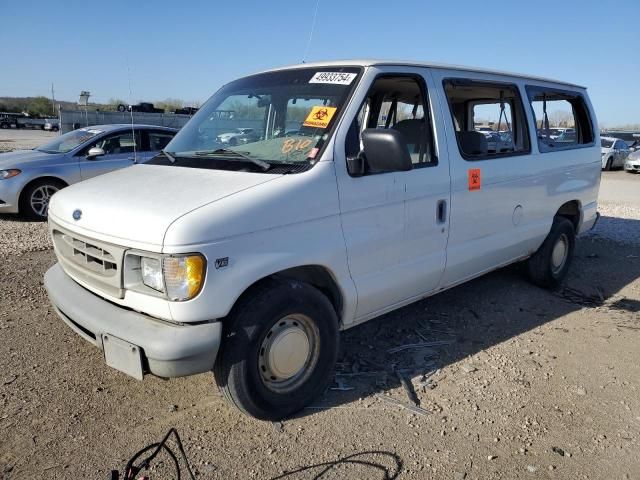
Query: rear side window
[
  {"x": 488, "y": 118},
  {"x": 562, "y": 119}
]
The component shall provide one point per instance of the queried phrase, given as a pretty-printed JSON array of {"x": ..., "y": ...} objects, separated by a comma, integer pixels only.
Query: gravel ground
[
  {"x": 23, "y": 139},
  {"x": 520, "y": 383}
]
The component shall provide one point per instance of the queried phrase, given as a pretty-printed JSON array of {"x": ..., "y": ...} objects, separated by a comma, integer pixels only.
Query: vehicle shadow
[
  {"x": 17, "y": 218},
  {"x": 369, "y": 464},
  {"x": 406, "y": 347}
]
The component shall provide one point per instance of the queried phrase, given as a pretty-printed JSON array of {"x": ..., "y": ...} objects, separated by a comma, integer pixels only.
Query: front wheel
[
  {"x": 549, "y": 265},
  {"x": 34, "y": 201},
  {"x": 609, "y": 164},
  {"x": 279, "y": 349}
]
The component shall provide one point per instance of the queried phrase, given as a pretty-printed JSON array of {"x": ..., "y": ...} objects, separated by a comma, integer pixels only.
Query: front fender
[{"x": 236, "y": 263}]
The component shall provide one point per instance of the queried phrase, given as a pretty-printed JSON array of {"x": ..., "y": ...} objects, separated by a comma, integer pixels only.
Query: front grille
[
  {"x": 91, "y": 257},
  {"x": 89, "y": 261}
]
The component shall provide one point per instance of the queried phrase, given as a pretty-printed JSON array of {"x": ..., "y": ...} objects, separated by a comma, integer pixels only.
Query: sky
[{"x": 188, "y": 49}]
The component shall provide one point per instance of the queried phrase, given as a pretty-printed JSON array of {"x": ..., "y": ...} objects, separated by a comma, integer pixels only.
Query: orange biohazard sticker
[
  {"x": 319, "y": 117},
  {"x": 475, "y": 179}
]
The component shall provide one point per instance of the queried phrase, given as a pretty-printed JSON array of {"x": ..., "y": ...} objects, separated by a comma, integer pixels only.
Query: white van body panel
[
  {"x": 262, "y": 234},
  {"x": 136, "y": 206},
  {"x": 511, "y": 214},
  {"x": 395, "y": 244}
]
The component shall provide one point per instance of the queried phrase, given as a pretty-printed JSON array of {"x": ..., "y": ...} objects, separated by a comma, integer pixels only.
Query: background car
[
  {"x": 52, "y": 124},
  {"x": 632, "y": 164},
  {"x": 614, "y": 152},
  {"x": 238, "y": 136},
  {"x": 140, "y": 107},
  {"x": 568, "y": 136},
  {"x": 28, "y": 178}
]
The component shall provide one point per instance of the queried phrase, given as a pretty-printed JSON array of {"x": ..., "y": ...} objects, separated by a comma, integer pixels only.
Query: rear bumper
[{"x": 168, "y": 349}]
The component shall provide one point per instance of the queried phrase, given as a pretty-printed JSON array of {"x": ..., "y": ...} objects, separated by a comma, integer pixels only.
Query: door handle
[{"x": 441, "y": 211}]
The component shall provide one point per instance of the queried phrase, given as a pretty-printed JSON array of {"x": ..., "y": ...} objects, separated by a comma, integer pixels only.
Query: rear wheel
[
  {"x": 279, "y": 349},
  {"x": 549, "y": 265},
  {"x": 34, "y": 201}
]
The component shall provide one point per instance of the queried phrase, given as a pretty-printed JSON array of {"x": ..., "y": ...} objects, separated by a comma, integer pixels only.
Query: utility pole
[{"x": 53, "y": 100}]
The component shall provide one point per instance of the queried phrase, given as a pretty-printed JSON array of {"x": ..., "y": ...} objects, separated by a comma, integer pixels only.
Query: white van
[{"x": 365, "y": 188}]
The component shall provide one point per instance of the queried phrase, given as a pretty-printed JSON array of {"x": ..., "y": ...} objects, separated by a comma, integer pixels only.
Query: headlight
[
  {"x": 152, "y": 273},
  {"x": 177, "y": 278},
  {"x": 4, "y": 174}
]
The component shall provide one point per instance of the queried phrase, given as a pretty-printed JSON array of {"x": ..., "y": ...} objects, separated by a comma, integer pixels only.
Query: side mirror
[
  {"x": 95, "y": 152},
  {"x": 385, "y": 150}
]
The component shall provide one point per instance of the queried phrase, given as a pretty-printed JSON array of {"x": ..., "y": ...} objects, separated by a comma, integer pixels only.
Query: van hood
[
  {"x": 24, "y": 158},
  {"x": 135, "y": 206}
]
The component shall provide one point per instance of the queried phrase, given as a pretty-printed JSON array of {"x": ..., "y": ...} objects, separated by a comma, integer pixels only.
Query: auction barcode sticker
[{"x": 336, "y": 78}]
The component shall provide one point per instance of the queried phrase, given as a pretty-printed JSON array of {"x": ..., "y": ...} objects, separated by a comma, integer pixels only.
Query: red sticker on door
[{"x": 474, "y": 178}]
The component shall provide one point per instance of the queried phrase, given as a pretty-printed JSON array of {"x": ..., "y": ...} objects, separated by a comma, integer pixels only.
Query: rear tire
[
  {"x": 34, "y": 201},
  {"x": 549, "y": 265},
  {"x": 279, "y": 348}
]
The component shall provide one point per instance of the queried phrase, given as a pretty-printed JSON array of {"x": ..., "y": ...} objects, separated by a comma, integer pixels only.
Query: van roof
[{"x": 413, "y": 63}]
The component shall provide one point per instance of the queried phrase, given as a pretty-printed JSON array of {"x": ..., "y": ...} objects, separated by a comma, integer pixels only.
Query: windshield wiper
[
  {"x": 168, "y": 155},
  {"x": 232, "y": 154}
]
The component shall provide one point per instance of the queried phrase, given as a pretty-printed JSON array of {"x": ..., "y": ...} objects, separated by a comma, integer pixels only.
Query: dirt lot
[
  {"x": 523, "y": 383},
  {"x": 15, "y": 139}
]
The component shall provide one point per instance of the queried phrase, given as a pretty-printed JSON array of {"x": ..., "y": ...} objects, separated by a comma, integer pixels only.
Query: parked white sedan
[
  {"x": 632, "y": 165},
  {"x": 614, "y": 152}
]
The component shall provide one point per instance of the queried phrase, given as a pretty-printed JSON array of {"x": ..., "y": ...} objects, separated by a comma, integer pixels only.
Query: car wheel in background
[
  {"x": 34, "y": 201},
  {"x": 607, "y": 166},
  {"x": 279, "y": 348},
  {"x": 122, "y": 108},
  {"x": 549, "y": 265}
]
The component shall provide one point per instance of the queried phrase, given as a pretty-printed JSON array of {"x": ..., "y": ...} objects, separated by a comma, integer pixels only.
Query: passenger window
[
  {"x": 562, "y": 119},
  {"x": 159, "y": 140},
  {"x": 119, "y": 143},
  {"x": 397, "y": 102},
  {"x": 488, "y": 119}
]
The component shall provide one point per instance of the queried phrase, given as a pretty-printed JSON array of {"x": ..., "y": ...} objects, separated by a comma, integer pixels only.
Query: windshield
[
  {"x": 67, "y": 142},
  {"x": 606, "y": 143},
  {"x": 263, "y": 120}
]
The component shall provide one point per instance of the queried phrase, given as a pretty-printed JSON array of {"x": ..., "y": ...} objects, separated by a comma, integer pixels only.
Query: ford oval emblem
[{"x": 77, "y": 214}]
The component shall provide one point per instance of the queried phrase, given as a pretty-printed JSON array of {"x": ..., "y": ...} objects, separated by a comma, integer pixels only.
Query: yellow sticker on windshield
[{"x": 320, "y": 117}]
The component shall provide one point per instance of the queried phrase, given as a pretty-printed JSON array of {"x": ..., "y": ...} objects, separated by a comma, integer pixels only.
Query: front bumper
[
  {"x": 168, "y": 349},
  {"x": 10, "y": 194},
  {"x": 632, "y": 167}
]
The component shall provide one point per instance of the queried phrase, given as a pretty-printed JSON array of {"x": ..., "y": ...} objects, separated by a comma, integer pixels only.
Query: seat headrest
[
  {"x": 411, "y": 130},
  {"x": 473, "y": 143}
]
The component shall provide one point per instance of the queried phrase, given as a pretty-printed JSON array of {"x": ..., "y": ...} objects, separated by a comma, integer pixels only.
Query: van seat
[
  {"x": 473, "y": 143},
  {"x": 411, "y": 130}
]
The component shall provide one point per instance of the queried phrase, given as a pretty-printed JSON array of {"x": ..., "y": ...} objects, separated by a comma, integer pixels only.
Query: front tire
[
  {"x": 279, "y": 348},
  {"x": 609, "y": 164},
  {"x": 34, "y": 201},
  {"x": 550, "y": 264}
]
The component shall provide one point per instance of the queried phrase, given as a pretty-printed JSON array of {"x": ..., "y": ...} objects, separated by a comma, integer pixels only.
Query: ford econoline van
[{"x": 364, "y": 186}]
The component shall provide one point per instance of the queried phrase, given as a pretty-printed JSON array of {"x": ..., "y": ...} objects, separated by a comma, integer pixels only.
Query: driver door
[
  {"x": 395, "y": 224},
  {"x": 120, "y": 150}
]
